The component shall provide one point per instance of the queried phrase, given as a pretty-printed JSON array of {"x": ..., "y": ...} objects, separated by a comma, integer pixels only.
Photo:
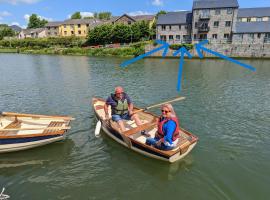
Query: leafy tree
[
  {"x": 6, "y": 31},
  {"x": 105, "y": 15},
  {"x": 88, "y": 17},
  {"x": 122, "y": 33},
  {"x": 36, "y": 22},
  {"x": 161, "y": 12},
  {"x": 101, "y": 35},
  {"x": 76, "y": 15}
]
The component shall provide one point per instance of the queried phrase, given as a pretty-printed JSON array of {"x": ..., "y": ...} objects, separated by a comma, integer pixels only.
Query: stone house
[
  {"x": 52, "y": 29},
  {"x": 32, "y": 33},
  {"x": 252, "y": 26},
  {"x": 174, "y": 27}
]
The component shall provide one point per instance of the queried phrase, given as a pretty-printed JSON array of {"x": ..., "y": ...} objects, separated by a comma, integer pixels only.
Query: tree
[
  {"x": 162, "y": 12},
  {"x": 76, "y": 15},
  {"x": 6, "y": 31},
  {"x": 105, "y": 15},
  {"x": 36, "y": 22}
]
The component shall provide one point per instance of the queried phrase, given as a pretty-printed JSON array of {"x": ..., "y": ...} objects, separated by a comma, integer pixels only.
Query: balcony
[
  {"x": 202, "y": 29},
  {"x": 204, "y": 16}
]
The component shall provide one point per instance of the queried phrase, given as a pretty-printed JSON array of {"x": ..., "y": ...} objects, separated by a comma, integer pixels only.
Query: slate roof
[
  {"x": 204, "y": 4},
  {"x": 254, "y": 12},
  {"x": 181, "y": 17},
  {"x": 252, "y": 27},
  {"x": 53, "y": 24},
  {"x": 81, "y": 21}
]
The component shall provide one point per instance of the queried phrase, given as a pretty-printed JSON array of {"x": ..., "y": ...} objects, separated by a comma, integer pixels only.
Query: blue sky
[{"x": 18, "y": 11}]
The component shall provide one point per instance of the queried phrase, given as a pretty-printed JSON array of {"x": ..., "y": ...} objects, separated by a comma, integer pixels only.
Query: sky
[{"x": 18, "y": 11}]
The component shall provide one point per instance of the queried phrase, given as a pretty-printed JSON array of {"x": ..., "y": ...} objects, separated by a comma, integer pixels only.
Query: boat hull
[{"x": 29, "y": 143}]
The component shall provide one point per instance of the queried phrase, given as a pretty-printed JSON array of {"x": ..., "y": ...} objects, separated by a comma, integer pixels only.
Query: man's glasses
[{"x": 165, "y": 111}]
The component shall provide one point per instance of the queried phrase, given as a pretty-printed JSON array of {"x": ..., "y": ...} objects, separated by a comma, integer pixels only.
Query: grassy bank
[{"x": 121, "y": 52}]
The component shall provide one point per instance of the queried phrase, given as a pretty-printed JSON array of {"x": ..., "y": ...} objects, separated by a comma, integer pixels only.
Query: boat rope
[{"x": 3, "y": 196}]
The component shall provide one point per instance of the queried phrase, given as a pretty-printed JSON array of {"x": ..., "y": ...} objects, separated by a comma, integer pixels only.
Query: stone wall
[{"x": 230, "y": 50}]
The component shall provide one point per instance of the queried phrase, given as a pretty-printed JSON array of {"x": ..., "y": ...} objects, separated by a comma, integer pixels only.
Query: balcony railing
[
  {"x": 204, "y": 29},
  {"x": 204, "y": 16}
]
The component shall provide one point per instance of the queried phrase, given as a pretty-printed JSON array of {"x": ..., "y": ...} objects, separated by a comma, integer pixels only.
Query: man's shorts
[{"x": 117, "y": 118}]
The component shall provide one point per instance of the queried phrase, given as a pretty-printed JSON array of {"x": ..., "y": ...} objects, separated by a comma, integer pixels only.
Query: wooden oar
[
  {"x": 37, "y": 116},
  {"x": 159, "y": 104},
  {"x": 29, "y": 129}
]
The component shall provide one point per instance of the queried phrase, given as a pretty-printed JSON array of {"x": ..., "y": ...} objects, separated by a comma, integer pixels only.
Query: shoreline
[{"x": 108, "y": 52}]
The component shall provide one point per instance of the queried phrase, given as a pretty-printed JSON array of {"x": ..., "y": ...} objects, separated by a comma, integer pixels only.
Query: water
[{"x": 227, "y": 107}]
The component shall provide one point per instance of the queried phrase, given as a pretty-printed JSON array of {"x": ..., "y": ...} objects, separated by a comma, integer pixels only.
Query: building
[
  {"x": 32, "y": 33},
  {"x": 52, "y": 29},
  {"x": 128, "y": 20},
  {"x": 252, "y": 26},
  {"x": 77, "y": 27},
  {"x": 216, "y": 20},
  {"x": 175, "y": 27}
]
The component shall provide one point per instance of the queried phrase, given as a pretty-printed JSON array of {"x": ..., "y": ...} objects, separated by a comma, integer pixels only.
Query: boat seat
[
  {"x": 14, "y": 124},
  {"x": 54, "y": 124}
]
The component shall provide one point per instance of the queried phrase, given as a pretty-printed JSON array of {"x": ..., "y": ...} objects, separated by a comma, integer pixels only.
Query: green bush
[{"x": 178, "y": 46}]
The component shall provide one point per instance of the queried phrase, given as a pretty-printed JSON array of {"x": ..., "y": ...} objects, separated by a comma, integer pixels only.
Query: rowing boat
[
  {"x": 133, "y": 139},
  {"x": 24, "y": 131}
]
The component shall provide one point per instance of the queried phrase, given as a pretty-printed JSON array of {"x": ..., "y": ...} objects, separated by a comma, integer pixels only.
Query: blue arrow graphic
[
  {"x": 164, "y": 46},
  {"x": 182, "y": 52},
  {"x": 199, "y": 47}
]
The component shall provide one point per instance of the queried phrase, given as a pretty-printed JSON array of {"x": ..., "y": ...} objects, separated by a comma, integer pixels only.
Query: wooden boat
[
  {"x": 133, "y": 139},
  {"x": 24, "y": 131}
]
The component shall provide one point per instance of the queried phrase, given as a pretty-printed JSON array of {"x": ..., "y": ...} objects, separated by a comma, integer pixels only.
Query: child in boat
[
  {"x": 122, "y": 108},
  {"x": 167, "y": 135}
]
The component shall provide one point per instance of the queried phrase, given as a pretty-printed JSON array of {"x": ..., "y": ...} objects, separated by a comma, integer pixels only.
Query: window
[
  {"x": 259, "y": 35},
  {"x": 214, "y": 36},
  {"x": 186, "y": 37},
  {"x": 196, "y": 24},
  {"x": 195, "y": 36},
  {"x": 49, "y": 28},
  {"x": 179, "y": 27},
  {"x": 129, "y": 22},
  {"x": 79, "y": 26},
  {"x": 186, "y": 27},
  {"x": 226, "y": 36},
  {"x": 197, "y": 12},
  {"x": 79, "y": 32},
  {"x": 228, "y": 23},
  {"x": 216, "y": 23},
  {"x": 65, "y": 32},
  {"x": 72, "y": 32},
  {"x": 170, "y": 27},
  {"x": 163, "y": 27},
  {"x": 259, "y": 19},
  {"x": 55, "y": 33},
  {"x": 229, "y": 11},
  {"x": 55, "y": 28},
  {"x": 217, "y": 11},
  {"x": 178, "y": 37},
  {"x": 170, "y": 37},
  {"x": 49, "y": 33},
  {"x": 249, "y": 19},
  {"x": 163, "y": 37},
  {"x": 87, "y": 25},
  {"x": 65, "y": 26}
]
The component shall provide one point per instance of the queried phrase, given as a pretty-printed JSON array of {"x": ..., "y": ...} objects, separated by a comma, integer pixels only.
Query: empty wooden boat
[
  {"x": 133, "y": 139},
  {"x": 24, "y": 131}
]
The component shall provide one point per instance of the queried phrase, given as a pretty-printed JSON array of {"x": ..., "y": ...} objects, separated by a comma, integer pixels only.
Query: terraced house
[{"x": 218, "y": 21}]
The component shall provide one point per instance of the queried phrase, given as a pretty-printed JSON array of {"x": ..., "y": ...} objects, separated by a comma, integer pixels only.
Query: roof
[
  {"x": 53, "y": 24},
  {"x": 182, "y": 17},
  {"x": 252, "y": 27},
  {"x": 204, "y": 4},
  {"x": 81, "y": 21},
  {"x": 32, "y": 30},
  {"x": 143, "y": 17},
  {"x": 254, "y": 12}
]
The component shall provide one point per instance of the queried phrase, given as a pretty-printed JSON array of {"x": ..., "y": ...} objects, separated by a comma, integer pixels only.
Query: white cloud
[
  {"x": 157, "y": 2},
  {"x": 4, "y": 14},
  {"x": 139, "y": 12},
  {"x": 15, "y": 23},
  {"x": 15, "y": 2},
  {"x": 27, "y": 16}
]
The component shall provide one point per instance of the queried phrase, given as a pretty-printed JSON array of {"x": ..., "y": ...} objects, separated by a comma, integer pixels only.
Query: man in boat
[
  {"x": 121, "y": 108},
  {"x": 167, "y": 135}
]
